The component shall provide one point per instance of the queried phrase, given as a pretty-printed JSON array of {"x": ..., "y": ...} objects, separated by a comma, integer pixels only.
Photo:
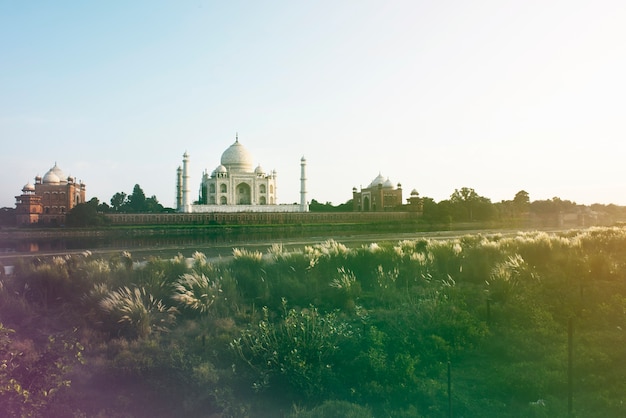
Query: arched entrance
[
  {"x": 244, "y": 195},
  {"x": 366, "y": 204}
]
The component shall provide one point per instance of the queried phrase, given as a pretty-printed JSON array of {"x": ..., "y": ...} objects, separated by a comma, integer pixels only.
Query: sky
[{"x": 499, "y": 96}]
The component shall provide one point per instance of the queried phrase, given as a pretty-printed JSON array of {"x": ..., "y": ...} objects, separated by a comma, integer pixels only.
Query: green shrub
[
  {"x": 335, "y": 409},
  {"x": 296, "y": 352},
  {"x": 138, "y": 312},
  {"x": 196, "y": 293},
  {"x": 32, "y": 376}
]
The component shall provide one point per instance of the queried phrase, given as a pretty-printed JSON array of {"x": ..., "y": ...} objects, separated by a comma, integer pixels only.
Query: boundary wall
[{"x": 258, "y": 218}]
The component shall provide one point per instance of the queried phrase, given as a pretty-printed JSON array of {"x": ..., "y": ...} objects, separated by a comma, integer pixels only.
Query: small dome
[
  {"x": 237, "y": 158},
  {"x": 259, "y": 170},
  {"x": 221, "y": 169},
  {"x": 28, "y": 187},
  {"x": 414, "y": 193},
  {"x": 388, "y": 184}
]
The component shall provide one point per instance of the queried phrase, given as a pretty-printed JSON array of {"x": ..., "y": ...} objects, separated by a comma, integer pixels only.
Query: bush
[
  {"x": 296, "y": 352},
  {"x": 335, "y": 409},
  {"x": 138, "y": 312}
]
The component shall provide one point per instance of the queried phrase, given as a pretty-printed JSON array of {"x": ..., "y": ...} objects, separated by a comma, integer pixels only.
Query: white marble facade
[{"x": 235, "y": 186}]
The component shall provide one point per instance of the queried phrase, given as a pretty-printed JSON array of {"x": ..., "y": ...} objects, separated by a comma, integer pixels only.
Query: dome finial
[{"x": 236, "y": 136}]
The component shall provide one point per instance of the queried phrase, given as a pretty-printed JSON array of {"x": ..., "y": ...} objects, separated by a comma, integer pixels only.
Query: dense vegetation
[
  {"x": 465, "y": 206},
  {"x": 325, "y": 331}
]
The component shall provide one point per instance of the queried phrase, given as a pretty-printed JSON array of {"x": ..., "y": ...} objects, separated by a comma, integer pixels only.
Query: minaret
[
  {"x": 179, "y": 189},
  {"x": 304, "y": 207},
  {"x": 186, "y": 189}
]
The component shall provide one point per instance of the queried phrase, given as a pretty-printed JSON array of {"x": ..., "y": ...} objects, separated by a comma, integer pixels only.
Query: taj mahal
[{"x": 235, "y": 186}]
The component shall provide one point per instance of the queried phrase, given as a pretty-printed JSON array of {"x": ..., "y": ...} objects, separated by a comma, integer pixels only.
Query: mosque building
[
  {"x": 235, "y": 186},
  {"x": 380, "y": 195},
  {"x": 49, "y": 199}
]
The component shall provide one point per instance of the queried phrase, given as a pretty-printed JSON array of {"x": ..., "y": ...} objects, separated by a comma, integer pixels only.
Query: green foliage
[
  {"x": 138, "y": 312},
  {"x": 7, "y": 216},
  {"x": 32, "y": 377},
  {"x": 136, "y": 202},
  {"x": 316, "y": 206},
  {"x": 247, "y": 268},
  {"x": 86, "y": 214},
  {"x": 196, "y": 292},
  {"x": 373, "y": 325},
  {"x": 296, "y": 352},
  {"x": 335, "y": 409}
]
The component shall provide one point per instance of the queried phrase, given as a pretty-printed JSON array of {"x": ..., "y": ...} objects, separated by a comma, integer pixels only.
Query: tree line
[
  {"x": 91, "y": 213},
  {"x": 464, "y": 205}
]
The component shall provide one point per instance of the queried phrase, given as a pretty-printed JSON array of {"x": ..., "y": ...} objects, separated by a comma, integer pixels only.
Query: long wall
[
  {"x": 246, "y": 218},
  {"x": 245, "y": 208}
]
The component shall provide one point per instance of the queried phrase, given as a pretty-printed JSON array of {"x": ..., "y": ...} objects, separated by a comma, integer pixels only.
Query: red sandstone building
[
  {"x": 49, "y": 199},
  {"x": 380, "y": 196}
]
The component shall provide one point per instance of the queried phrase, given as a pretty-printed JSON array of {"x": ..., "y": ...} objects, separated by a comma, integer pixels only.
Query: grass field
[{"x": 362, "y": 328}]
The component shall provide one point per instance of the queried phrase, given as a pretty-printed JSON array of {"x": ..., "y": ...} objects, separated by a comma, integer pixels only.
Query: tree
[
  {"x": 32, "y": 375},
  {"x": 463, "y": 203},
  {"x": 466, "y": 194},
  {"x": 104, "y": 208},
  {"x": 117, "y": 201},
  {"x": 467, "y": 205},
  {"x": 153, "y": 205},
  {"x": 137, "y": 200},
  {"x": 85, "y": 214},
  {"x": 7, "y": 216},
  {"x": 521, "y": 201},
  {"x": 316, "y": 206},
  {"x": 435, "y": 212}
]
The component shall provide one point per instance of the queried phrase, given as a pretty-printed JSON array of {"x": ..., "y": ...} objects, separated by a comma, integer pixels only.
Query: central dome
[{"x": 237, "y": 158}]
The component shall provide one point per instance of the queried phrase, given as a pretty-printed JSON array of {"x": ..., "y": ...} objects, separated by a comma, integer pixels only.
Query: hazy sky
[{"x": 437, "y": 95}]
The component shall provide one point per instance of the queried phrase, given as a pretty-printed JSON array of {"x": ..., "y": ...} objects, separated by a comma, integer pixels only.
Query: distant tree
[
  {"x": 104, "y": 208},
  {"x": 552, "y": 206},
  {"x": 117, "y": 201},
  {"x": 465, "y": 194},
  {"x": 315, "y": 206},
  {"x": 463, "y": 203},
  {"x": 152, "y": 205},
  {"x": 137, "y": 200},
  {"x": 434, "y": 212},
  {"x": 345, "y": 207},
  {"x": 467, "y": 205},
  {"x": 85, "y": 214},
  {"x": 521, "y": 201},
  {"x": 7, "y": 217},
  {"x": 443, "y": 211}
]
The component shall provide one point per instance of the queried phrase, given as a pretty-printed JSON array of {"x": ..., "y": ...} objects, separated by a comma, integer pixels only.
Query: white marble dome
[
  {"x": 237, "y": 158},
  {"x": 51, "y": 178},
  {"x": 28, "y": 187},
  {"x": 378, "y": 180},
  {"x": 54, "y": 176},
  {"x": 62, "y": 177}
]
